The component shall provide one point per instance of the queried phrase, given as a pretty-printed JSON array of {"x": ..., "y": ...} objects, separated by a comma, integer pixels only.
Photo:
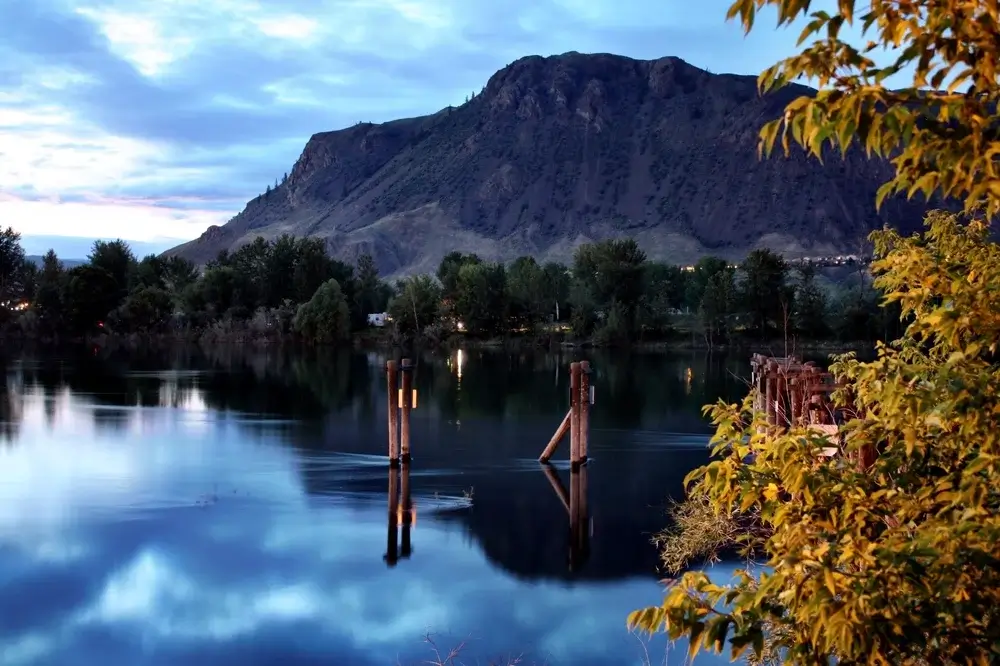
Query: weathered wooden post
[
  {"x": 391, "y": 556},
  {"x": 407, "y": 506},
  {"x": 392, "y": 384},
  {"x": 550, "y": 448},
  {"x": 574, "y": 405},
  {"x": 406, "y": 401},
  {"x": 796, "y": 389},
  {"x": 781, "y": 397},
  {"x": 771, "y": 380},
  {"x": 584, "y": 409}
]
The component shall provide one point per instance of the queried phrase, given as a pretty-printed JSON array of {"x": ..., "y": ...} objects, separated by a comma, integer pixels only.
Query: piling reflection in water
[
  {"x": 401, "y": 510},
  {"x": 575, "y": 503}
]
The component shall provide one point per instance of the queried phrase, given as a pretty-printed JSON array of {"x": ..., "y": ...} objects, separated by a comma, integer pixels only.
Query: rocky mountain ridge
[{"x": 561, "y": 150}]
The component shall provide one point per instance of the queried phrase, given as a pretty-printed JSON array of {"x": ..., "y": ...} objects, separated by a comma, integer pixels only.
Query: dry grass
[{"x": 699, "y": 534}]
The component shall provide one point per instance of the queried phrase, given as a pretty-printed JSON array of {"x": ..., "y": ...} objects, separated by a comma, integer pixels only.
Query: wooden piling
[
  {"x": 584, "y": 409},
  {"x": 550, "y": 449},
  {"x": 770, "y": 384},
  {"x": 392, "y": 385},
  {"x": 391, "y": 556},
  {"x": 406, "y": 548},
  {"x": 407, "y": 403},
  {"x": 574, "y": 406}
]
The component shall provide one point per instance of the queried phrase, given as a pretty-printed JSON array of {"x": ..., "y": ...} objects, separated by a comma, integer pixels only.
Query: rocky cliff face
[{"x": 567, "y": 149}]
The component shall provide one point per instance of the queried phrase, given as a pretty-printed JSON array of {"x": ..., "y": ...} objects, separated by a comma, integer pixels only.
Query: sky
[{"x": 150, "y": 120}]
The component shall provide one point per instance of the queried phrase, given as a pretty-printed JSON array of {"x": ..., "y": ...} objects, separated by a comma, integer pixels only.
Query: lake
[{"x": 230, "y": 506}]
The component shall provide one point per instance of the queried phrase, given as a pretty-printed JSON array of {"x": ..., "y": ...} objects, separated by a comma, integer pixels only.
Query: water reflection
[
  {"x": 581, "y": 527},
  {"x": 224, "y": 506},
  {"x": 400, "y": 511}
]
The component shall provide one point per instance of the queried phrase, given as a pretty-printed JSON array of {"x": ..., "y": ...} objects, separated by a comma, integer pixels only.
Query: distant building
[{"x": 379, "y": 319}]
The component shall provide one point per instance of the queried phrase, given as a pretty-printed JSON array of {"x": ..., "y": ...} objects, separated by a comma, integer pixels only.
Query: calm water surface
[{"x": 231, "y": 507}]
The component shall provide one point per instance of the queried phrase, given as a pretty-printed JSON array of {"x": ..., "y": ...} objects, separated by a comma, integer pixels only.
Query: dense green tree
[
  {"x": 48, "y": 302},
  {"x": 611, "y": 272},
  {"x": 556, "y": 289},
  {"x": 117, "y": 260},
  {"x": 314, "y": 267},
  {"x": 448, "y": 270},
  {"x": 148, "y": 272},
  {"x": 216, "y": 292},
  {"x": 145, "y": 310},
  {"x": 249, "y": 262},
  {"x": 529, "y": 300},
  {"x": 699, "y": 278},
  {"x": 664, "y": 288},
  {"x": 718, "y": 302},
  {"x": 810, "y": 315},
  {"x": 91, "y": 293},
  {"x": 179, "y": 274},
  {"x": 279, "y": 272},
  {"x": 12, "y": 275},
  {"x": 325, "y": 318},
  {"x": 415, "y": 305},
  {"x": 371, "y": 294},
  {"x": 762, "y": 290},
  {"x": 481, "y": 298}
]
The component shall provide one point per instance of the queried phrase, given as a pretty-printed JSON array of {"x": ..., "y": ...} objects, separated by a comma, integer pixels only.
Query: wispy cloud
[{"x": 115, "y": 115}]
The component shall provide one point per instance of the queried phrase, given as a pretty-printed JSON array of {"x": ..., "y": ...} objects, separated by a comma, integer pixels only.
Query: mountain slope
[{"x": 562, "y": 150}]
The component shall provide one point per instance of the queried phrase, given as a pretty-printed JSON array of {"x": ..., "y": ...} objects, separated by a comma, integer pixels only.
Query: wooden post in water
[
  {"x": 584, "y": 409},
  {"x": 574, "y": 406},
  {"x": 406, "y": 404},
  {"x": 391, "y": 556},
  {"x": 392, "y": 384},
  {"x": 407, "y": 505}
]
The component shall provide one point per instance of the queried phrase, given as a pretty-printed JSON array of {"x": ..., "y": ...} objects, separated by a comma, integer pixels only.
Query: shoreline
[{"x": 379, "y": 340}]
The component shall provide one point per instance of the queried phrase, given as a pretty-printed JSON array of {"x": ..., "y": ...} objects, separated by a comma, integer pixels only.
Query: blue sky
[{"x": 150, "y": 120}]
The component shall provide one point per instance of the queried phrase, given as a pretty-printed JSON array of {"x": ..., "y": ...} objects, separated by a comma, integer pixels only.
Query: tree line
[
  {"x": 288, "y": 286},
  {"x": 611, "y": 293}
]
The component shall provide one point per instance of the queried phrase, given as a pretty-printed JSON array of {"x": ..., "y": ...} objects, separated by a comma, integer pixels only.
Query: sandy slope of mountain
[{"x": 562, "y": 150}]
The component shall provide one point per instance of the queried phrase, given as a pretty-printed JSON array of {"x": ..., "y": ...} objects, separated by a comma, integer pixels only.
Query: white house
[{"x": 378, "y": 319}]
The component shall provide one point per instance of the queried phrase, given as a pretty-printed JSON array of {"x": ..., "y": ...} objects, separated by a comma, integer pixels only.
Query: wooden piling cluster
[
  {"x": 791, "y": 392},
  {"x": 401, "y": 399},
  {"x": 577, "y": 419}
]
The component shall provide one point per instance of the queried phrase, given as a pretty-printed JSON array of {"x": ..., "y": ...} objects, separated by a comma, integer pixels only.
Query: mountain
[{"x": 560, "y": 150}]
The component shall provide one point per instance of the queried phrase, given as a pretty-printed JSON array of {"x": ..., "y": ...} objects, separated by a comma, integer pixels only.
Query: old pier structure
[{"x": 793, "y": 393}]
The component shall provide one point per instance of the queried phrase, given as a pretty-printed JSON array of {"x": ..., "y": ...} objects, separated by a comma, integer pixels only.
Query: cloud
[{"x": 127, "y": 102}]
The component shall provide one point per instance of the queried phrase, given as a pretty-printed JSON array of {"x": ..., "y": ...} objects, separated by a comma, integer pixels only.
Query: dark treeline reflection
[{"x": 481, "y": 420}]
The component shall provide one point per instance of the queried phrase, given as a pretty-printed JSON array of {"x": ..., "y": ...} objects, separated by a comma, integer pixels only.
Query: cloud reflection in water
[{"x": 160, "y": 576}]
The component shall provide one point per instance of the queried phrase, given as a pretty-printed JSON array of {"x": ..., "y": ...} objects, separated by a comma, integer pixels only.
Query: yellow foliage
[
  {"x": 899, "y": 564},
  {"x": 941, "y": 130}
]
